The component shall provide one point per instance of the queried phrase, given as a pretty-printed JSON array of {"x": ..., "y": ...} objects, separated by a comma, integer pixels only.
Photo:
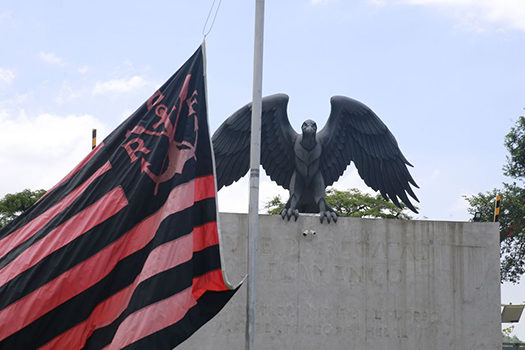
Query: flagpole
[{"x": 255, "y": 156}]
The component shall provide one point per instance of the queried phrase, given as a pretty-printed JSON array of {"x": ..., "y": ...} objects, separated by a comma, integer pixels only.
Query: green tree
[
  {"x": 512, "y": 206},
  {"x": 352, "y": 203},
  {"x": 13, "y": 204},
  {"x": 275, "y": 205},
  {"x": 515, "y": 143},
  {"x": 511, "y": 225}
]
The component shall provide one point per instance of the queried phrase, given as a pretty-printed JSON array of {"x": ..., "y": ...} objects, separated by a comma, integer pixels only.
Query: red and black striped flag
[{"x": 123, "y": 252}]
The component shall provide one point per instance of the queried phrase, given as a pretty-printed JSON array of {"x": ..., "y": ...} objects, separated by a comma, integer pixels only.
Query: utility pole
[{"x": 255, "y": 161}]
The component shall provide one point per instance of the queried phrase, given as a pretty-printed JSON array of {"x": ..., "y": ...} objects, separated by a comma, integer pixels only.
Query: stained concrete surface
[{"x": 362, "y": 284}]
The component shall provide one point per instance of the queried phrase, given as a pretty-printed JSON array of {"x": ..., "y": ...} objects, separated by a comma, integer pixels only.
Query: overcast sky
[{"x": 446, "y": 76}]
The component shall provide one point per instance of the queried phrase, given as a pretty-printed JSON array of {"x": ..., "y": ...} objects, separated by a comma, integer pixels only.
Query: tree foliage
[
  {"x": 275, "y": 205},
  {"x": 512, "y": 206},
  {"x": 353, "y": 203},
  {"x": 13, "y": 204},
  {"x": 511, "y": 223},
  {"x": 515, "y": 143}
]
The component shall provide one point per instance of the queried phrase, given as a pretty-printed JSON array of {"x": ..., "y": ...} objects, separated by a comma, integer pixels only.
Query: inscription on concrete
[{"x": 362, "y": 284}]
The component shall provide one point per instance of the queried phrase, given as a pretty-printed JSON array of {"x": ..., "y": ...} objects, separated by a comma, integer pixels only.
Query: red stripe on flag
[
  {"x": 152, "y": 318},
  {"x": 205, "y": 236},
  {"x": 79, "y": 278},
  {"x": 107, "y": 206},
  {"x": 212, "y": 280},
  {"x": 204, "y": 188},
  {"x": 25, "y": 232},
  {"x": 77, "y": 168},
  {"x": 162, "y": 258}
]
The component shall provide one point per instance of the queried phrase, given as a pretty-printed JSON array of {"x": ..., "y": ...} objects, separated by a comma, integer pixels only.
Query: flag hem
[{"x": 227, "y": 282}]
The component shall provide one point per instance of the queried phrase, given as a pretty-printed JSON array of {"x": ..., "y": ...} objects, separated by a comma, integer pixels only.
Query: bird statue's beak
[{"x": 309, "y": 130}]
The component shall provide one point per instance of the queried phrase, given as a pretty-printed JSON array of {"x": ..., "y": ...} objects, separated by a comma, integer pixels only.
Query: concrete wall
[{"x": 362, "y": 284}]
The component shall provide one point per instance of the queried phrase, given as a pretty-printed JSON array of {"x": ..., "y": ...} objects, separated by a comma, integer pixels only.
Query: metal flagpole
[{"x": 255, "y": 156}]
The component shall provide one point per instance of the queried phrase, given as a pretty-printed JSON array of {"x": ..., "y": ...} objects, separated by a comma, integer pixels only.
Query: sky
[{"x": 446, "y": 76}]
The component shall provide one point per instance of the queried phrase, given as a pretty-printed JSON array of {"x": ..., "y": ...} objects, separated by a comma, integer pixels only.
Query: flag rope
[{"x": 204, "y": 31}]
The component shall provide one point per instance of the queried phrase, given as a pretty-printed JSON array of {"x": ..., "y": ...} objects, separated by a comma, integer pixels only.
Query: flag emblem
[{"x": 123, "y": 252}]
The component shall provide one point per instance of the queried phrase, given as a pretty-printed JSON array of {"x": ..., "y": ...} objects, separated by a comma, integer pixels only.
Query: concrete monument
[{"x": 363, "y": 284}]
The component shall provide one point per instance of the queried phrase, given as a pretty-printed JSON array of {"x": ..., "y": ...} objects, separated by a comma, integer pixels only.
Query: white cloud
[
  {"x": 83, "y": 69},
  {"x": 459, "y": 209},
  {"x": 478, "y": 15},
  {"x": 6, "y": 76},
  {"x": 351, "y": 179},
  {"x": 67, "y": 93},
  {"x": 37, "y": 151},
  {"x": 50, "y": 58},
  {"x": 119, "y": 85},
  {"x": 5, "y": 16},
  {"x": 234, "y": 198},
  {"x": 15, "y": 101}
]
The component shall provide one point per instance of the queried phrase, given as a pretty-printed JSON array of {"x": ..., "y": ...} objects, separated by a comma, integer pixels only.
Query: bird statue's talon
[{"x": 329, "y": 215}]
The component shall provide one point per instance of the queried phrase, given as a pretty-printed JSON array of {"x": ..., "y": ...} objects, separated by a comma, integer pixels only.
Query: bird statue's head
[{"x": 309, "y": 127}]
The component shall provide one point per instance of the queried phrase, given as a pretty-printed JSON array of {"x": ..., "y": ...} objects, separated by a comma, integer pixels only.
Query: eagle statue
[{"x": 306, "y": 163}]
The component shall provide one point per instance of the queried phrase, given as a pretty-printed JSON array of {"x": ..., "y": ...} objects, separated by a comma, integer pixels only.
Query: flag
[{"x": 124, "y": 251}]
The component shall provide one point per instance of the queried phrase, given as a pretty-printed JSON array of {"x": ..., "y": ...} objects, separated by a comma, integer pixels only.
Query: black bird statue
[{"x": 306, "y": 163}]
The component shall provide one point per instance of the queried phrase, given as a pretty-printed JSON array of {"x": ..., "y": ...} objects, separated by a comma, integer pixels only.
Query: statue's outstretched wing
[
  {"x": 231, "y": 143},
  {"x": 355, "y": 133}
]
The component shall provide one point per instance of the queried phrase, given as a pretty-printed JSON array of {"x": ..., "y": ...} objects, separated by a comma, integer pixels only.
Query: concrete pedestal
[{"x": 362, "y": 284}]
